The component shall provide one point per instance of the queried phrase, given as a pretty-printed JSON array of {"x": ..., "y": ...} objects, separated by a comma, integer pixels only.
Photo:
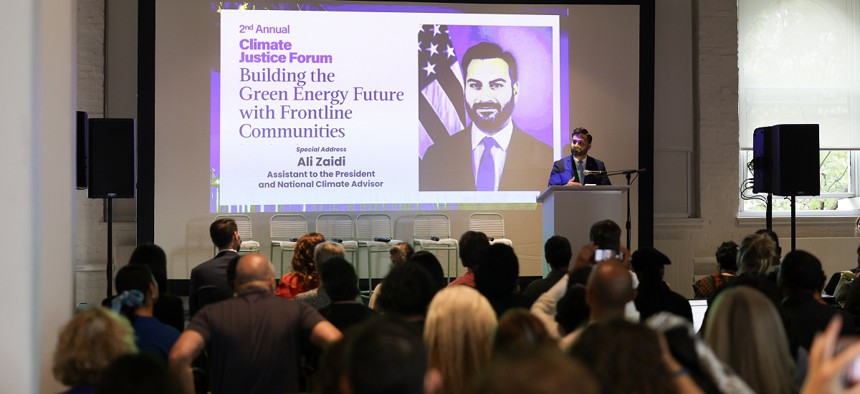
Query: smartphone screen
[{"x": 604, "y": 254}]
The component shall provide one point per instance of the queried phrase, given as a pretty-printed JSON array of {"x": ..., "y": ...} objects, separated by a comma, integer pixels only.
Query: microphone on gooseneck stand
[
  {"x": 434, "y": 238},
  {"x": 382, "y": 239},
  {"x": 594, "y": 172}
]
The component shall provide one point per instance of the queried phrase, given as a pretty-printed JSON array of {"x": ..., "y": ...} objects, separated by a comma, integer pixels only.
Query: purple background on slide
[{"x": 532, "y": 49}]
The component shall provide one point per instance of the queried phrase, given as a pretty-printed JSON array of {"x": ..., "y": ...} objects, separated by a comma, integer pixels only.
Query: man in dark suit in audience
[
  {"x": 225, "y": 236},
  {"x": 558, "y": 253},
  {"x": 254, "y": 339}
]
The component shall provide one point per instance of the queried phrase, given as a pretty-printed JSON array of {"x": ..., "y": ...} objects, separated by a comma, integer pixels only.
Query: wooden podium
[{"x": 570, "y": 211}]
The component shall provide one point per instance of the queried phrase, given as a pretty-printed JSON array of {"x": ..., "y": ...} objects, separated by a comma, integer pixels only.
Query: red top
[
  {"x": 290, "y": 286},
  {"x": 468, "y": 279}
]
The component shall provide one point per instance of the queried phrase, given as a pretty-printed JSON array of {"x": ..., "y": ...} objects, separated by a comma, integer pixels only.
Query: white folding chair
[
  {"x": 339, "y": 227},
  {"x": 491, "y": 224},
  {"x": 285, "y": 230},
  {"x": 432, "y": 231},
  {"x": 245, "y": 227},
  {"x": 374, "y": 232}
]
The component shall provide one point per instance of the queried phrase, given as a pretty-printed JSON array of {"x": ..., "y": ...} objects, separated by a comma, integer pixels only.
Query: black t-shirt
[{"x": 254, "y": 342}]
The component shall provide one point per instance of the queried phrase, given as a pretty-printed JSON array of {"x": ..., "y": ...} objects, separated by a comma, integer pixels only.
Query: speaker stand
[
  {"x": 109, "y": 201},
  {"x": 768, "y": 216},
  {"x": 793, "y": 222}
]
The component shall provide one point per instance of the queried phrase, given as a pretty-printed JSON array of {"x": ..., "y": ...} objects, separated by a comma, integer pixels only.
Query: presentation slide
[{"x": 397, "y": 110}]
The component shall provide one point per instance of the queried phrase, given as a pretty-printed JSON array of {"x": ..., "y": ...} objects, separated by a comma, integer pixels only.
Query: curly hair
[
  {"x": 303, "y": 259},
  {"x": 88, "y": 344}
]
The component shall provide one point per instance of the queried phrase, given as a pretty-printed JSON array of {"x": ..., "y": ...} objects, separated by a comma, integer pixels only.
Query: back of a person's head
[
  {"x": 303, "y": 258},
  {"x": 610, "y": 286},
  {"x": 407, "y": 291},
  {"x": 648, "y": 263},
  {"x": 338, "y": 279},
  {"x": 253, "y": 270},
  {"x": 625, "y": 357},
  {"x": 400, "y": 252},
  {"x": 138, "y": 374},
  {"x": 572, "y": 310},
  {"x": 536, "y": 371},
  {"x": 327, "y": 250},
  {"x": 557, "y": 252},
  {"x": 384, "y": 356},
  {"x": 471, "y": 244},
  {"x": 499, "y": 272},
  {"x": 746, "y": 332},
  {"x": 800, "y": 271},
  {"x": 457, "y": 333},
  {"x": 427, "y": 260},
  {"x": 727, "y": 256},
  {"x": 606, "y": 235},
  {"x": 221, "y": 231},
  {"x": 88, "y": 344},
  {"x": 133, "y": 288},
  {"x": 773, "y": 237},
  {"x": 152, "y": 256},
  {"x": 756, "y": 254},
  {"x": 519, "y": 328}
]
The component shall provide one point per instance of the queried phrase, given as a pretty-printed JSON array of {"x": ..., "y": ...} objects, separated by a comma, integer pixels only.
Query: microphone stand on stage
[{"x": 627, "y": 174}]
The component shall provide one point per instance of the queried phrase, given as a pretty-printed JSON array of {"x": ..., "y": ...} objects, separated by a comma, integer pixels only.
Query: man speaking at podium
[{"x": 573, "y": 169}]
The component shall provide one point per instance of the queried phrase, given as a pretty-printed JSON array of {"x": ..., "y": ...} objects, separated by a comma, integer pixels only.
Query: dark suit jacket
[
  {"x": 210, "y": 273},
  {"x": 447, "y": 165},
  {"x": 563, "y": 170}
]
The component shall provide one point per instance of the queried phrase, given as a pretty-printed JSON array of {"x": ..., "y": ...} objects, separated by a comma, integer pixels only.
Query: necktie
[
  {"x": 486, "y": 169},
  {"x": 579, "y": 171}
]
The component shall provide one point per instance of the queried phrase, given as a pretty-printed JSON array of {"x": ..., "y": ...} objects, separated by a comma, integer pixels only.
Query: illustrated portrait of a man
[{"x": 492, "y": 153}]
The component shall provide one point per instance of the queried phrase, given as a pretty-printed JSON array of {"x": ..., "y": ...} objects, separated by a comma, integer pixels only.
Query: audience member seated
[
  {"x": 87, "y": 345},
  {"x": 755, "y": 255},
  {"x": 557, "y": 253},
  {"x": 518, "y": 330},
  {"x": 572, "y": 311},
  {"x": 653, "y": 294},
  {"x": 213, "y": 273},
  {"x": 745, "y": 331},
  {"x": 138, "y": 374},
  {"x": 383, "y": 356},
  {"x": 398, "y": 254},
  {"x": 254, "y": 339},
  {"x": 459, "y": 328},
  {"x": 627, "y": 357},
  {"x": 471, "y": 244},
  {"x": 429, "y": 262},
  {"x": 323, "y": 251},
  {"x": 138, "y": 292},
  {"x": 497, "y": 278},
  {"x": 406, "y": 292},
  {"x": 727, "y": 268},
  {"x": 338, "y": 280},
  {"x": 841, "y": 283},
  {"x": 800, "y": 277},
  {"x": 168, "y": 309},
  {"x": 609, "y": 289},
  {"x": 774, "y": 264},
  {"x": 304, "y": 274},
  {"x": 536, "y": 371}
]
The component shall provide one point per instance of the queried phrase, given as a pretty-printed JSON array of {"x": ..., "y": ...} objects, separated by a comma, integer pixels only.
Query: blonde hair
[
  {"x": 458, "y": 334},
  {"x": 756, "y": 253},
  {"x": 746, "y": 332},
  {"x": 87, "y": 345}
]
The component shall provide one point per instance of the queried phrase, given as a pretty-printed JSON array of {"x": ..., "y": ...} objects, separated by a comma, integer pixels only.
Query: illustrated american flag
[{"x": 441, "y": 109}]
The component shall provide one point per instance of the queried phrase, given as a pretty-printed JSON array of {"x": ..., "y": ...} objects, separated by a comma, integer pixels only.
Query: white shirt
[{"x": 502, "y": 138}]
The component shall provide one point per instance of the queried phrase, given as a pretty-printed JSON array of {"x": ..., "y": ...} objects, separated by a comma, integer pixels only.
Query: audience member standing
[
  {"x": 213, "y": 273},
  {"x": 557, "y": 253},
  {"x": 459, "y": 328},
  {"x": 253, "y": 339},
  {"x": 87, "y": 345},
  {"x": 727, "y": 268},
  {"x": 304, "y": 274},
  {"x": 745, "y": 331},
  {"x": 138, "y": 293},
  {"x": 471, "y": 244}
]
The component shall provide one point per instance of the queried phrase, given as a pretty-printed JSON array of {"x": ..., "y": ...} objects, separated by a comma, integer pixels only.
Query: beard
[{"x": 494, "y": 119}]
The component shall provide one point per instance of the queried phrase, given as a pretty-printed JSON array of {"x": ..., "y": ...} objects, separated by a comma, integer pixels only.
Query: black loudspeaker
[
  {"x": 81, "y": 149},
  {"x": 111, "y": 161},
  {"x": 795, "y": 160},
  {"x": 762, "y": 161}
]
